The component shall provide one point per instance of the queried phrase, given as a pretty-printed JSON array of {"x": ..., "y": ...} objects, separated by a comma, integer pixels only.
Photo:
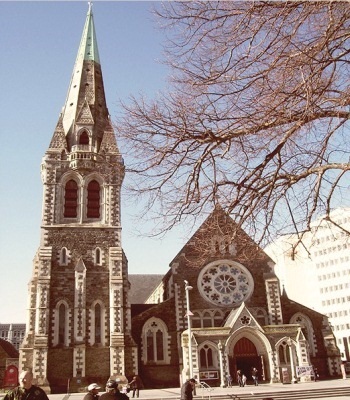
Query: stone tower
[{"x": 78, "y": 327}]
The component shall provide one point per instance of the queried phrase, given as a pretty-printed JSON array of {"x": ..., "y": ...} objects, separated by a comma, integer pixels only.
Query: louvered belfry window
[
  {"x": 93, "y": 200},
  {"x": 84, "y": 138},
  {"x": 71, "y": 199}
]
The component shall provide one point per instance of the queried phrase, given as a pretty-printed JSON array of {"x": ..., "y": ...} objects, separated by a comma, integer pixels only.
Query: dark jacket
[
  {"x": 19, "y": 393},
  {"x": 187, "y": 391}
]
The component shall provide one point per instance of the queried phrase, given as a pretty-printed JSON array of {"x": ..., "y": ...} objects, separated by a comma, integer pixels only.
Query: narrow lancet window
[
  {"x": 93, "y": 200},
  {"x": 61, "y": 324},
  {"x": 71, "y": 199},
  {"x": 98, "y": 316}
]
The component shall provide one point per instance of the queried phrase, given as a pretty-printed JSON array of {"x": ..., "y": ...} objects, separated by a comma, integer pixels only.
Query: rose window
[{"x": 225, "y": 283}]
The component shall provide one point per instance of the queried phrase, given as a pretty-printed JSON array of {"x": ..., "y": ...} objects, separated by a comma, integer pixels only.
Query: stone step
[{"x": 291, "y": 395}]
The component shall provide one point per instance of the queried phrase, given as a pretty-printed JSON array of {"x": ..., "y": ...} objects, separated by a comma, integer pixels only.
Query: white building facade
[{"x": 318, "y": 273}]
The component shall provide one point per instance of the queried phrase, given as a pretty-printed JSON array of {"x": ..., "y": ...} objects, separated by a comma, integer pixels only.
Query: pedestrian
[
  {"x": 113, "y": 392},
  {"x": 26, "y": 390},
  {"x": 187, "y": 389},
  {"x": 229, "y": 380},
  {"x": 255, "y": 376},
  {"x": 239, "y": 378},
  {"x": 244, "y": 379},
  {"x": 92, "y": 393},
  {"x": 135, "y": 385}
]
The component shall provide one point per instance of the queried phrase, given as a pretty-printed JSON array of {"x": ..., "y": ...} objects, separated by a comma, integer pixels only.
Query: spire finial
[{"x": 90, "y": 7}]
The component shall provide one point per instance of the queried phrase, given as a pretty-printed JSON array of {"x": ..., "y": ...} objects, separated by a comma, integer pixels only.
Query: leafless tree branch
[{"x": 256, "y": 117}]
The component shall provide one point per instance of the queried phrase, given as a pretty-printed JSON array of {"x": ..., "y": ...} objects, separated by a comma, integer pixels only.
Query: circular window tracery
[{"x": 225, "y": 283}]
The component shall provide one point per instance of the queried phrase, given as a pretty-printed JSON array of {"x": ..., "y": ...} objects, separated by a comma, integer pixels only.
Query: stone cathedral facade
[
  {"x": 81, "y": 327},
  {"x": 79, "y": 314}
]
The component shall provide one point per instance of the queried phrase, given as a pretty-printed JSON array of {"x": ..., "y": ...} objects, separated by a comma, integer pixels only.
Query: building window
[
  {"x": 207, "y": 322},
  {"x": 97, "y": 256},
  {"x": 155, "y": 342},
  {"x": 84, "y": 138},
  {"x": 206, "y": 357},
  {"x": 61, "y": 324},
  {"x": 207, "y": 318},
  {"x": 283, "y": 353},
  {"x": 98, "y": 324},
  {"x": 63, "y": 256},
  {"x": 196, "y": 320},
  {"x": 71, "y": 199},
  {"x": 225, "y": 283},
  {"x": 93, "y": 200}
]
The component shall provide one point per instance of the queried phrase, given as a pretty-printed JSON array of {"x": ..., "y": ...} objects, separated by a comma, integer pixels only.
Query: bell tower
[{"x": 78, "y": 327}]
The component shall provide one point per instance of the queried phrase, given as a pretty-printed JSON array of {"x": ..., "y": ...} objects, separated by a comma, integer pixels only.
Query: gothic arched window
[
  {"x": 84, "y": 138},
  {"x": 61, "y": 324},
  {"x": 63, "y": 256},
  {"x": 283, "y": 353},
  {"x": 207, "y": 321},
  {"x": 98, "y": 325},
  {"x": 206, "y": 357},
  {"x": 98, "y": 258},
  {"x": 93, "y": 200},
  {"x": 218, "y": 317},
  {"x": 71, "y": 199},
  {"x": 155, "y": 341},
  {"x": 196, "y": 320}
]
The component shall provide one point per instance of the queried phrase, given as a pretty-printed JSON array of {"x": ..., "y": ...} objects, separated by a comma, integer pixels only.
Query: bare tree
[{"x": 256, "y": 115}]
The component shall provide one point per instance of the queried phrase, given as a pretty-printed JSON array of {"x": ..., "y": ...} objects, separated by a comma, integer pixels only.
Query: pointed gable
[
  {"x": 58, "y": 140},
  {"x": 241, "y": 317},
  {"x": 220, "y": 236},
  {"x": 84, "y": 116},
  {"x": 80, "y": 267},
  {"x": 109, "y": 142}
]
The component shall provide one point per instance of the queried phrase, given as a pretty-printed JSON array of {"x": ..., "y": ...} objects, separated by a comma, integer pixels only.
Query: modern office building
[{"x": 318, "y": 273}]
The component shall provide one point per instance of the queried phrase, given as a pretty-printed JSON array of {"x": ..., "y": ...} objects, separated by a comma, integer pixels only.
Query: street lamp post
[
  {"x": 189, "y": 315},
  {"x": 290, "y": 344}
]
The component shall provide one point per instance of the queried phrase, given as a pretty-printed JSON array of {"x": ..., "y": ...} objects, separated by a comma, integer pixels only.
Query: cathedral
[{"x": 218, "y": 309}]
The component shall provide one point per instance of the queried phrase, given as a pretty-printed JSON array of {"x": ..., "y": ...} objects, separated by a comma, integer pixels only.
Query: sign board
[
  {"x": 285, "y": 375},
  {"x": 304, "y": 371},
  {"x": 11, "y": 377},
  {"x": 206, "y": 375}
]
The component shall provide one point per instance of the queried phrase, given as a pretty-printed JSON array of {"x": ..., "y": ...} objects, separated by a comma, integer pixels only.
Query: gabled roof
[
  {"x": 142, "y": 285},
  {"x": 241, "y": 317},
  {"x": 219, "y": 222},
  {"x": 9, "y": 349}
]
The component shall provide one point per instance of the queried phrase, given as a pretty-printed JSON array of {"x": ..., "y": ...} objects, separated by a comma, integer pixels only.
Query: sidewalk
[
  {"x": 174, "y": 393},
  {"x": 217, "y": 392}
]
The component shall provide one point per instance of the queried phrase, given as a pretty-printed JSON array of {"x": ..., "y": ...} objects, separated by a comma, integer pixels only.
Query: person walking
[
  {"x": 244, "y": 380},
  {"x": 26, "y": 390},
  {"x": 229, "y": 380},
  {"x": 135, "y": 385},
  {"x": 255, "y": 376},
  {"x": 239, "y": 378},
  {"x": 92, "y": 393},
  {"x": 187, "y": 389}
]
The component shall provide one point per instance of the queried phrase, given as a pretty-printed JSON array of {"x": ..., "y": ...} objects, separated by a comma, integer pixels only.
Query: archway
[{"x": 245, "y": 357}]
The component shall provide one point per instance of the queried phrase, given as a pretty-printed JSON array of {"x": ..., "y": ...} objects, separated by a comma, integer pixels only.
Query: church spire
[{"x": 86, "y": 82}]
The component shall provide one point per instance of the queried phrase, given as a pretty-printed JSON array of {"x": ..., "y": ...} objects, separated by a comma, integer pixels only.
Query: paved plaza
[
  {"x": 174, "y": 393},
  {"x": 217, "y": 392}
]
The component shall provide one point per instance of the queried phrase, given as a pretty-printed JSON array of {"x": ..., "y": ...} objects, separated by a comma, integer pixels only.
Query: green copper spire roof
[
  {"x": 88, "y": 46},
  {"x": 87, "y": 53}
]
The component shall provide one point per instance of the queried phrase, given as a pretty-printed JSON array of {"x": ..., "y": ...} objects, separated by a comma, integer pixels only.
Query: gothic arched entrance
[{"x": 245, "y": 357}]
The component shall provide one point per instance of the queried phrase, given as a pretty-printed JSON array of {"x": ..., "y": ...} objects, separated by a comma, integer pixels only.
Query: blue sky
[{"x": 39, "y": 42}]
